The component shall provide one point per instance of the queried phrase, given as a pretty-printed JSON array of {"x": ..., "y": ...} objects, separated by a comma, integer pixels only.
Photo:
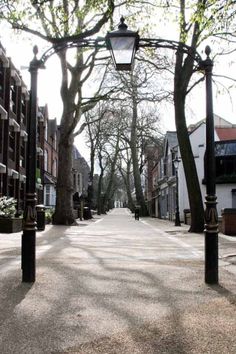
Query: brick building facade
[
  {"x": 48, "y": 136},
  {"x": 14, "y": 113},
  {"x": 14, "y": 117}
]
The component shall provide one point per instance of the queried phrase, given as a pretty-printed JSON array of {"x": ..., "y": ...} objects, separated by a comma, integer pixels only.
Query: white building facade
[{"x": 225, "y": 191}]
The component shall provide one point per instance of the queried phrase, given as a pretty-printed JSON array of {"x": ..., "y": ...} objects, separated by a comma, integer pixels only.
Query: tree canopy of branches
[
  {"x": 128, "y": 122},
  {"x": 197, "y": 21},
  {"x": 58, "y": 23}
]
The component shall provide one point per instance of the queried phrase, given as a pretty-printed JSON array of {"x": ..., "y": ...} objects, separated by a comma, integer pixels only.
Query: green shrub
[
  {"x": 7, "y": 207},
  {"x": 48, "y": 215}
]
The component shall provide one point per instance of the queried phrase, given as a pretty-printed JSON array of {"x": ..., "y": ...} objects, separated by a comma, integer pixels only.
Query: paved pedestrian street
[{"x": 116, "y": 285}]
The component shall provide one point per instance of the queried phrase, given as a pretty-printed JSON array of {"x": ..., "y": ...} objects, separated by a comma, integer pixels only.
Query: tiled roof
[
  {"x": 226, "y": 133},
  {"x": 172, "y": 139}
]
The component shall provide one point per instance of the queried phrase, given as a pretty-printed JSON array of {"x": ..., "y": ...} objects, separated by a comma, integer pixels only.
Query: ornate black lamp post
[
  {"x": 176, "y": 162},
  {"x": 29, "y": 227},
  {"x": 211, "y": 218}
]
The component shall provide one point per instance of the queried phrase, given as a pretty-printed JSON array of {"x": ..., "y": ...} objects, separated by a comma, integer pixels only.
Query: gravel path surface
[{"x": 116, "y": 285}]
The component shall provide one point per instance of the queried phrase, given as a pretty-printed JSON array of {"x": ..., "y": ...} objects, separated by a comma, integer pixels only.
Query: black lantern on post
[
  {"x": 176, "y": 162},
  {"x": 123, "y": 45}
]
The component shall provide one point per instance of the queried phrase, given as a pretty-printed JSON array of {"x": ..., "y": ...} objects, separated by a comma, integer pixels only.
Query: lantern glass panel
[{"x": 123, "y": 49}]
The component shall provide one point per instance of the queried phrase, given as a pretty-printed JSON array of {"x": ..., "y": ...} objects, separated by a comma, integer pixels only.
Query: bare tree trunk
[
  {"x": 182, "y": 76},
  {"x": 126, "y": 179},
  {"x": 90, "y": 186},
  {"x": 99, "y": 191},
  {"x": 133, "y": 146},
  {"x": 129, "y": 194},
  {"x": 64, "y": 205}
]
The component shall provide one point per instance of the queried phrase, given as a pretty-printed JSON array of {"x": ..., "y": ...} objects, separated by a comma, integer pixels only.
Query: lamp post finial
[
  {"x": 35, "y": 50},
  {"x": 208, "y": 51},
  {"x": 122, "y": 25}
]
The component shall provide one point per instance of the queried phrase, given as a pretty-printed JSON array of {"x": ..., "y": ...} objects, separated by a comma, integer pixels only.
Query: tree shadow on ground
[
  {"x": 106, "y": 307},
  {"x": 223, "y": 291}
]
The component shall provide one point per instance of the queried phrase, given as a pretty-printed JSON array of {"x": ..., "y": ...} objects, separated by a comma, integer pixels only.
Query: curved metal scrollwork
[
  {"x": 30, "y": 215},
  {"x": 84, "y": 43},
  {"x": 169, "y": 44},
  {"x": 211, "y": 216}
]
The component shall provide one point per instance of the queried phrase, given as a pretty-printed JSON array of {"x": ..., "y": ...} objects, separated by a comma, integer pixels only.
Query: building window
[
  {"x": 23, "y": 110},
  {"x": 12, "y": 144},
  {"x": 225, "y": 152},
  {"x": 45, "y": 160},
  {"x": 74, "y": 181},
  {"x": 53, "y": 194},
  {"x": 173, "y": 157},
  {"x": 161, "y": 170},
  {"x": 225, "y": 169},
  {"x": 165, "y": 163},
  {"x": 233, "y": 198},
  {"x": 46, "y": 131},
  {"x": 13, "y": 96},
  {"x": 47, "y": 195},
  {"x": 22, "y": 154}
]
